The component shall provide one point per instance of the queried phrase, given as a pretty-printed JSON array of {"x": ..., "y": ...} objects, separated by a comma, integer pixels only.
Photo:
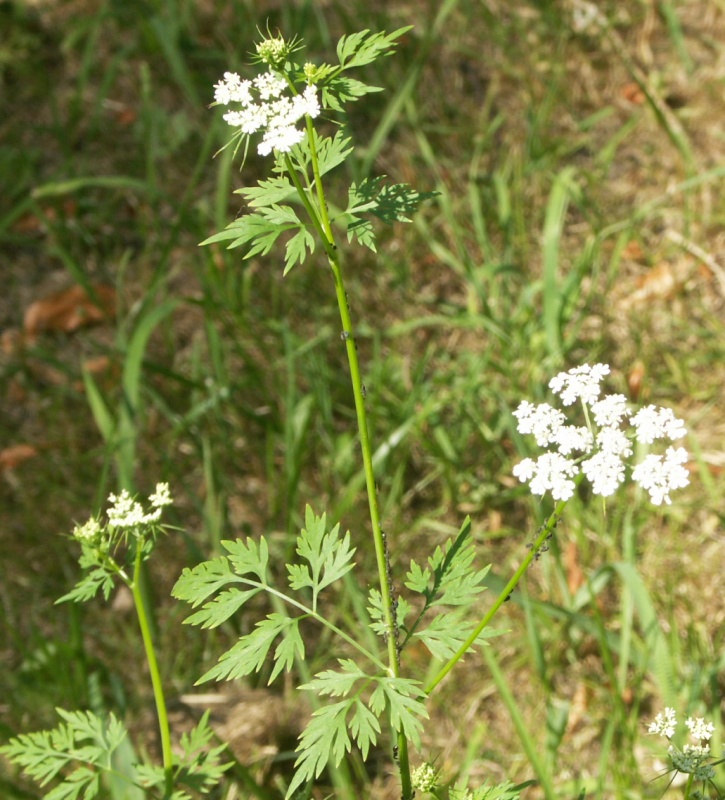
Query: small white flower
[
  {"x": 424, "y": 778},
  {"x": 124, "y": 511},
  {"x": 579, "y": 383},
  {"x": 280, "y": 139},
  {"x": 652, "y": 423},
  {"x": 570, "y": 438},
  {"x": 550, "y": 472},
  {"x": 264, "y": 107},
  {"x": 161, "y": 497},
  {"x": 605, "y": 471},
  {"x": 269, "y": 85},
  {"x": 88, "y": 531},
  {"x": 664, "y": 725},
  {"x": 543, "y": 421},
  {"x": 610, "y": 410},
  {"x": 699, "y": 729},
  {"x": 659, "y": 475},
  {"x": 232, "y": 89}
]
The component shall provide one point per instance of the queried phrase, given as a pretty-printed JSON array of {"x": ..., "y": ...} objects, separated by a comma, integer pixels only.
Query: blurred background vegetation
[{"x": 579, "y": 154}]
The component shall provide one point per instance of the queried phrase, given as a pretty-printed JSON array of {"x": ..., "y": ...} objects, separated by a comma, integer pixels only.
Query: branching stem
[{"x": 321, "y": 220}]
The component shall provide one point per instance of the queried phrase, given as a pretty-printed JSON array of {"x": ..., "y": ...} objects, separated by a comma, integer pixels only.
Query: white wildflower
[
  {"x": 664, "y": 725},
  {"x": 266, "y": 108},
  {"x": 603, "y": 447},
  {"x": 124, "y": 512},
  {"x": 162, "y": 496},
  {"x": 88, "y": 531},
  {"x": 652, "y": 423},
  {"x": 579, "y": 383},
  {"x": 551, "y": 472},
  {"x": 610, "y": 410},
  {"x": 699, "y": 729},
  {"x": 659, "y": 475}
]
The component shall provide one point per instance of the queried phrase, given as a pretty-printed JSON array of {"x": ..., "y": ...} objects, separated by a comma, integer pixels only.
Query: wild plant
[{"x": 295, "y": 112}]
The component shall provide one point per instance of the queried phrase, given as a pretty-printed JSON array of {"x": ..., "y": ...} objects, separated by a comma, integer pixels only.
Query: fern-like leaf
[
  {"x": 250, "y": 652},
  {"x": 324, "y": 739},
  {"x": 328, "y": 556}
]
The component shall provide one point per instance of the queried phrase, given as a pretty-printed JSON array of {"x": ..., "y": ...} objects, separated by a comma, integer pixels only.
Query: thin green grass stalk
[
  {"x": 140, "y": 599},
  {"x": 530, "y": 746}
]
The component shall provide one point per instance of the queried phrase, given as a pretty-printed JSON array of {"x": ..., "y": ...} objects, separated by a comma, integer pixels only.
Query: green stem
[
  {"x": 143, "y": 621},
  {"x": 321, "y": 220},
  {"x": 546, "y": 530}
]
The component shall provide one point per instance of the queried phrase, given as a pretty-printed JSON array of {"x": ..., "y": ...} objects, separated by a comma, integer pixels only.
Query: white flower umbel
[
  {"x": 265, "y": 108},
  {"x": 600, "y": 450},
  {"x": 694, "y": 758}
]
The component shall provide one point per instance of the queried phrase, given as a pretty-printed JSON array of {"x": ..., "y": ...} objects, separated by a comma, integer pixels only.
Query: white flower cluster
[
  {"x": 264, "y": 108},
  {"x": 125, "y": 512},
  {"x": 692, "y": 759},
  {"x": 424, "y": 778},
  {"x": 599, "y": 456}
]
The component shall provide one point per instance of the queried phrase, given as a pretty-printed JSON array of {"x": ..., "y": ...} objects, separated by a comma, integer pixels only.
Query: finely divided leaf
[
  {"x": 335, "y": 683},
  {"x": 364, "y": 47},
  {"x": 259, "y": 230},
  {"x": 195, "y": 585},
  {"x": 88, "y": 586},
  {"x": 249, "y": 653},
  {"x": 446, "y": 632},
  {"x": 83, "y": 738},
  {"x": 364, "y": 728},
  {"x": 297, "y": 247},
  {"x": 329, "y": 556},
  {"x": 221, "y": 608},
  {"x": 389, "y": 203},
  {"x": 268, "y": 193},
  {"x": 455, "y": 581},
  {"x": 340, "y": 90},
  {"x": 331, "y": 152},
  {"x": 406, "y": 709},
  {"x": 248, "y": 557},
  {"x": 324, "y": 739}
]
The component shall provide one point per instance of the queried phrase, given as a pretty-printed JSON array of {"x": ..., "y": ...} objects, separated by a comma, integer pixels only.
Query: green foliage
[
  {"x": 387, "y": 203},
  {"x": 83, "y": 743},
  {"x": 503, "y": 791},
  {"x": 326, "y": 557},
  {"x": 261, "y": 229},
  {"x": 450, "y": 579},
  {"x": 199, "y": 767},
  {"x": 99, "y": 574},
  {"x": 333, "y": 728}
]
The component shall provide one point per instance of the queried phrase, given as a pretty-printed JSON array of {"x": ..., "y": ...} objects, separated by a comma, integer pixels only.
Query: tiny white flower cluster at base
[
  {"x": 600, "y": 455},
  {"x": 693, "y": 758},
  {"x": 264, "y": 108}
]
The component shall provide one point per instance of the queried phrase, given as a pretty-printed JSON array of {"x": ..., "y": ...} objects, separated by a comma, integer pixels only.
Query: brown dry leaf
[
  {"x": 635, "y": 380},
  {"x": 69, "y": 310},
  {"x": 633, "y": 251},
  {"x": 658, "y": 283},
  {"x": 578, "y": 708},
  {"x": 574, "y": 573},
  {"x": 632, "y": 93},
  {"x": 12, "y": 456}
]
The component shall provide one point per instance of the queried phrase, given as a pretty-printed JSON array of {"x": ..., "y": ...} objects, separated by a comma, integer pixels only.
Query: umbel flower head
[
  {"x": 265, "y": 105},
  {"x": 694, "y": 757},
  {"x": 599, "y": 450}
]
